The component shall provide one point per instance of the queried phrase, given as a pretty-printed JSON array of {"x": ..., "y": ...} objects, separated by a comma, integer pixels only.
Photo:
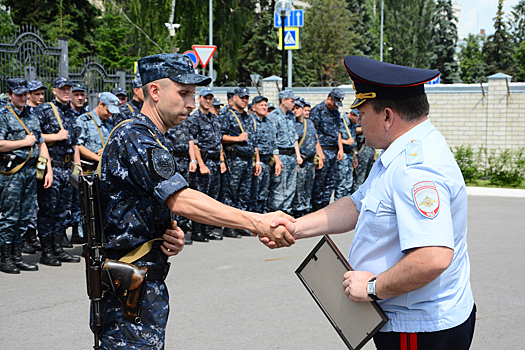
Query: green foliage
[
  {"x": 7, "y": 27},
  {"x": 498, "y": 51},
  {"x": 471, "y": 63},
  {"x": 442, "y": 45},
  {"x": 363, "y": 27},
  {"x": 517, "y": 33},
  {"x": 469, "y": 162},
  {"x": 111, "y": 44},
  {"x": 506, "y": 167}
]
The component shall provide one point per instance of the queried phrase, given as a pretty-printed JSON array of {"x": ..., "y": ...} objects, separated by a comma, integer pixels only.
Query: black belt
[
  {"x": 286, "y": 151},
  {"x": 180, "y": 154},
  {"x": 214, "y": 156},
  {"x": 330, "y": 148},
  {"x": 61, "y": 164},
  {"x": 348, "y": 151},
  {"x": 242, "y": 156},
  {"x": 265, "y": 158}
]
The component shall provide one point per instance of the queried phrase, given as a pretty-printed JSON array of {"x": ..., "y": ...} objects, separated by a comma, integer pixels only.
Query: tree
[
  {"x": 498, "y": 50},
  {"x": 517, "y": 33},
  {"x": 442, "y": 45},
  {"x": 407, "y": 28},
  {"x": 7, "y": 27},
  {"x": 472, "y": 65},
  {"x": 364, "y": 23},
  {"x": 110, "y": 38}
]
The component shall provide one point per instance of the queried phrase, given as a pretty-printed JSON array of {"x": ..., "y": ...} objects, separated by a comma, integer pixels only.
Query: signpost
[
  {"x": 193, "y": 56},
  {"x": 294, "y": 19},
  {"x": 204, "y": 53},
  {"x": 292, "y": 38}
]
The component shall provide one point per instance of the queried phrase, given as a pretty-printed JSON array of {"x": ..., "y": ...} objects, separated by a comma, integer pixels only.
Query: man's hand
[
  {"x": 355, "y": 285},
  {"x": 62, "y": 135},
  {"x": 299, "y": 160},
  {"x": 257, "y": 169},
  {"x": 48, "y": 180},
  {"x": 276, "y": 235},
  {"x": 193, "y": 167},
  {"x": 173, "y": 240},
  {"x": 30, "y": 140},
  {"x": 99, "y": 153},
  {"x": 242, "y": 137},
  {"x": 340, "y": 155},
  {"x": 204, "y": 170},
  {"x": 354, "y": 165},
  {"x": 223, "y": 167},
  {"x": 321, "y": 162},
  {"x": 278, "y": 167},
  {"x": 286, "y": 222}
]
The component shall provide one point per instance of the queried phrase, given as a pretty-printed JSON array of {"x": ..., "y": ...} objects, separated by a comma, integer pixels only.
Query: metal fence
[{"x": 28, "y": 55}]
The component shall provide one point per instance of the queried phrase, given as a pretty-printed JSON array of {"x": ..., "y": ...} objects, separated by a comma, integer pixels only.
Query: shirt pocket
[{"x": 368, "y": 225}]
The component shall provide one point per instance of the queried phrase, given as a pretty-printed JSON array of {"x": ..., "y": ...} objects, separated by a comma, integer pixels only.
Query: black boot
[
  {"x": 186, "y": 228},
  {"x": 230, "y": 232},
  {"x": 32, "y": 239},
  {"x": 59, "y": 252},
  {"x": 48, "y": 258},
  {"x": 75, "y": 238},
  {"x": 207, "y": 232},
  {"x": 16, "y": 256},
  {"x": 242, "y": 232},
  {"x": 6, "y": 264},
  {"x": 26, "y": 247},
  {"x": 196, "y": 233},
  {"x": 65, "y": 241}
]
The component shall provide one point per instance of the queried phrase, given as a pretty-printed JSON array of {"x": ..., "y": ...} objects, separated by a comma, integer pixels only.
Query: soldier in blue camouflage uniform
[
  {"x": 121, "y": 94},
  {"x": 216, "y": 108},
  {"x": 74, "y": 218},
  {"x": 327, "y": 121},
  {"x": 345, "y": 167},
  {"x": 205, "y": 128},
  {"x": 229, "y": 97},
  {"x": 365, "y": 154},
  {"x": 132, "y": 108},
  {"x": 238, "y": 130},
  {"x": 183, "y": 146},
  {"x": 61, "y": 136},
  {"x": 139, "y": 188},
  {"x": 18, "y": 187},
  {"x": 282, "y": 185},
  {"x": 309, "y": 147},
  {"x": 268, "y": 153}
]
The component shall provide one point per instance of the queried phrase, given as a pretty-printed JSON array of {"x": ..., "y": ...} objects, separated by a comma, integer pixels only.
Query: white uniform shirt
[{"x": 414, "y": 197}]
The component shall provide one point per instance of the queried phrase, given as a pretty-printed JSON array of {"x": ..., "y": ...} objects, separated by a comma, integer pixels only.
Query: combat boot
[
  {"x": 32, "y": 239},
  {"x": 60, "y": 254},
  {"x": 75, "y": 237},
  {"x": 196, "y": 233},
  {"x": 16, "y": 256},
  {"x": 65, "y": 241},
  {"x": 26, "y": 247},
  {"x": 6, "y": 263},
  {"x": 48, "y": 258},
  {"x": 230, "y": 232},
  {"x": 186, "y": 228},
  {"x": 208, "y": 232}
]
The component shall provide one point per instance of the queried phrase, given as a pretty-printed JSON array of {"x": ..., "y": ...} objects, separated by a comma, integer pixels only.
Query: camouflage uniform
[
  {"x": 327, "y": 123},
  {"x": 18, "y": 191},
  {"x": 128, "y": 110},
  {"x": 365, "y": 161},
  {"x": 306, "y": 174},
  {"x": 282, "y": 187},
  {"x": 89, "y": 136},
  {"x": 55, "y": 202},
  {"x": 240, "y": 164},
  {"x": 343, "y": 187},
  {"x": 265, "y": 136}
]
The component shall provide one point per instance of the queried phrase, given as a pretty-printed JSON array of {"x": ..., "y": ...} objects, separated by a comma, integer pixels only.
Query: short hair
[
  {"x": 145, "y": 88},
  {"x": 410, "y": 109}
]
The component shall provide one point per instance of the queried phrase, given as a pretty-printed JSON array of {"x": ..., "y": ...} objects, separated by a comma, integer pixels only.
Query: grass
[{"x": 485, "y": 183}]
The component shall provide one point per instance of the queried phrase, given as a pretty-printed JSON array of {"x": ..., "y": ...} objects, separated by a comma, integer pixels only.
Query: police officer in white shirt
[{"x": 409, "y": 251}]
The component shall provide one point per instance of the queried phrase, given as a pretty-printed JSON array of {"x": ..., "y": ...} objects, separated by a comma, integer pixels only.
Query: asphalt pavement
[{"x": 237, "y": 294}]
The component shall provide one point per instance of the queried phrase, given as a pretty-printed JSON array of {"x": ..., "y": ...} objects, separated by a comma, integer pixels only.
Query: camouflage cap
[
  {"x": 206, "y": 91},
  {"x": 111, "y": 101},
  {"x": 217, "y": 102},
  {"x": 270, "y": 106},
  {"x": 60, "y": 82},
  {"x": 175, "y": 66},
  {"x": 17, "y": 85},
  {"x": 307, "y": 104},
  {"x": 119, "y": 91},
  {"x": 258, "y": 99},
  {"x": 230, "y": 94},
  {"x": 299, "y": 103},
  {"x": 136, "y": 83},
  {"x": 338, "y": 95},
  {"x": 241, "y": 92},
  {"x": 35, "y": 85},
  {"x": 78, "y": 87},
  {"x": 286, "y": 94}
]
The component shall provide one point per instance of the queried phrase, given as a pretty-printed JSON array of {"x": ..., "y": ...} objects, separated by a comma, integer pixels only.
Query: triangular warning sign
[
  {"x": 204, "y": 53},
  {"x": 289, "y": 39}
]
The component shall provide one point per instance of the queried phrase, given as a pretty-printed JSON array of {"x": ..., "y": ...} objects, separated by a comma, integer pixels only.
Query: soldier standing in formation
[
  {"x": 121, "y": 94},
  {"x": 344, "y": 178},
  {"x": 21, "y": 145},
  {"x": 365, "y": 154},
  {"x": 130, "y": 109}
]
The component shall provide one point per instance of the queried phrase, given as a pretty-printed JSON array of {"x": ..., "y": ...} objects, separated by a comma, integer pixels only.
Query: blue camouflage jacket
[
  {"x": 137, "y": 176},
  {"x": 285, "y": 128},
  {"x": 179, "y": 137},
  {"x": 49, "y": 125},
  {"x": 308, "y": 146},
  {"x": 265, "y": 136},
  {"x": 327, "y": 123},
  {"x": 206, "y": 131},
  {"x": 89, "y": 135},
  {"x": 230, "y": 127},
  {"x": 344, "y": 132}
]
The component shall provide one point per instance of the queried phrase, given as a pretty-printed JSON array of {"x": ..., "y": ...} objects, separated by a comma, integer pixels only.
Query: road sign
[
  {"x": 292, "y": 38},
  {"x": 434, "y": 81},
  {"x": 193, "y": 57},
  {"x": 294, "y": 19},
  {"x": 204, "y": 53}
]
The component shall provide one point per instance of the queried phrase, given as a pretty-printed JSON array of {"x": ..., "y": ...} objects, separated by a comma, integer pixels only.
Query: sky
[{"x": 479, "y": 14}]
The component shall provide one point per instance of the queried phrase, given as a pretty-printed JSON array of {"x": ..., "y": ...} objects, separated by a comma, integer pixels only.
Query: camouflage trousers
[
  {"x": 183, "y": 164},
  {"x": 260, "y": 189},
  {"x": 365, "y": 161},
  {"x": 305, "y": 184},
  {"x": 282, "y": 187},
  {"x": 344, "y": 180},
  {"x": 237, "y": 190},
  {"x": 208, "y": 184},
  {"x": 17, "y": 203},
  {"x": 54, "y": 204},
  {"x": 74, "y": 217},
  {"x": 324, "y": 183}
]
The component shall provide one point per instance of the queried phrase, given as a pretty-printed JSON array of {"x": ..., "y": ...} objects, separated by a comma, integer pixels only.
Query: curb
[{"x": 495, "y": 192}]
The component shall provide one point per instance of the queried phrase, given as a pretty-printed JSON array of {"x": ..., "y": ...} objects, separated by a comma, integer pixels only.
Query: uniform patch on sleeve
[
  {"x": 163, "y": 163},
  {"x": 426, "y": 198}
]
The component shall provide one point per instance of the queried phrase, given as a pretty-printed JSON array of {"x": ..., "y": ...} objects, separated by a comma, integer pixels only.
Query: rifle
[{"x": 88, "y": 189}]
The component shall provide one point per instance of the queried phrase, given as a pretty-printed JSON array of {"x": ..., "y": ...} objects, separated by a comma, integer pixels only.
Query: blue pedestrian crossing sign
[
  {"x": 292, "y": 38},
  {"x": 294, "y": 19}
]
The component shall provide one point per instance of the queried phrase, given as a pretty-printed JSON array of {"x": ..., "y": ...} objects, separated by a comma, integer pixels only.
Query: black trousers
[{"x": 457, "y": 338}]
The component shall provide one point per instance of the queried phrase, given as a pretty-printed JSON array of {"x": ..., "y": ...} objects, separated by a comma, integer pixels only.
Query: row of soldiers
[{"x": 251, "y": 156}]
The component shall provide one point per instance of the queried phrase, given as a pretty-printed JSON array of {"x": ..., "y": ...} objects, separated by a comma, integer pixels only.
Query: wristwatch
[
  {"x": 194, "y": 161},
  {"x": 371, "y": 289}
]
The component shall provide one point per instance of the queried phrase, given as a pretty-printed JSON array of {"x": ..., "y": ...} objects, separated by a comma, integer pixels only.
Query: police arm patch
[
  {"x": 163, "y": 163},
  {"x": 426, "y": 198}
]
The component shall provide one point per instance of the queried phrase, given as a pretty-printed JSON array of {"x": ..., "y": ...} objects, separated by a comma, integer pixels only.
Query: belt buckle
[{"x": 67, "y": 158}]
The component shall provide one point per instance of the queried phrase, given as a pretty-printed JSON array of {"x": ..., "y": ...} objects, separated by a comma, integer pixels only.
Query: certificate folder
[{"x": 322, "y": 274}]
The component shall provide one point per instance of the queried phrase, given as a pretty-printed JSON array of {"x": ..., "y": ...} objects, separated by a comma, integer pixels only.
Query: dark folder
[{"x": 322, "y": 274}]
